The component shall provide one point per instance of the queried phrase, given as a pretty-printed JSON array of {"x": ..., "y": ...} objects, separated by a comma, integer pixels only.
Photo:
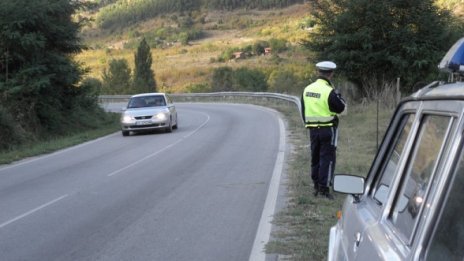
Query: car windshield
[{"x": 147, "y": 101}]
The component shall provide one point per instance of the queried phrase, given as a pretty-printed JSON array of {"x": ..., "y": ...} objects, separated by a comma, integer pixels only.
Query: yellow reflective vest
[{"x": 316, "y": 104}]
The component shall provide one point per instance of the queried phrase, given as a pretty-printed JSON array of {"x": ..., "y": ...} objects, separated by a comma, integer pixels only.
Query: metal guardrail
[{"x": 216, "y": 96}]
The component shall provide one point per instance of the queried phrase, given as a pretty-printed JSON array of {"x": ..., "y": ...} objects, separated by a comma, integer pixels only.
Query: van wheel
[{"x": 125, "y": 133}]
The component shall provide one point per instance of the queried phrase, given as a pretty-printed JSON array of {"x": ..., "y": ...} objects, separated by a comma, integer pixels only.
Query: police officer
[{"x": 320, "y": 104}]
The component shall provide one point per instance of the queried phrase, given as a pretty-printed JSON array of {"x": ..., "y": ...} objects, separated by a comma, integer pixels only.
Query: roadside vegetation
[
  {"x": 42, "y": 93},
  {"x": 27, "y": 149}
]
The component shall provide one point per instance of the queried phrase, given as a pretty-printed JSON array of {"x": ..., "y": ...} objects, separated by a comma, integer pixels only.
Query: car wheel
[
  {"x": 177, "y": 124},
  {"x": 169, "y": 128},
  {"x": 125, "y": 133}
]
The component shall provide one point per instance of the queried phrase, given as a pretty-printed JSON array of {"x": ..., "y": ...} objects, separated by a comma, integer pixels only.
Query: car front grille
[
  {"x": 147, "y": 126},
  {"x": 143, "y": 117}
]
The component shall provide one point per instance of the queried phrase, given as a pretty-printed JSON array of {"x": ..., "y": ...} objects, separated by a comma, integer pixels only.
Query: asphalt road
[{"x": 195, "y": 194}]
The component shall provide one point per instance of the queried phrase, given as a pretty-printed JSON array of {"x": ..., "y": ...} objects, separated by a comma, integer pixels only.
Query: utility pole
[{"x": 6, "y": 65}]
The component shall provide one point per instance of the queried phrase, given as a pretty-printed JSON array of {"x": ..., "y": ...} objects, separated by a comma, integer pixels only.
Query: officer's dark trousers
[{"x": 323, "y": 146}]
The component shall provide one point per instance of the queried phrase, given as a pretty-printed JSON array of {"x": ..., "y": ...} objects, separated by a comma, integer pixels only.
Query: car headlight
[
  {"x": 161, "y": 116},
  {"x": 127, "y": 119}
]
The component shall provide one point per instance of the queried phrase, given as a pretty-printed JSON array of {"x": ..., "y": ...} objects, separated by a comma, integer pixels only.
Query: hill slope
[
  {"x": 179, "y": 66},
  {"x": 122, "y": 12}
]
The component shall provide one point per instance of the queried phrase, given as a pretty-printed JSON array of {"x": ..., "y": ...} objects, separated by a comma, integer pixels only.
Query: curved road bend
[{"x": 194, "y": 194}]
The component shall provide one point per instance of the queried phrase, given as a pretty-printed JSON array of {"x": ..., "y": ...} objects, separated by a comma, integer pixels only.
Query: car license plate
[{"x": 143, "y": 122}]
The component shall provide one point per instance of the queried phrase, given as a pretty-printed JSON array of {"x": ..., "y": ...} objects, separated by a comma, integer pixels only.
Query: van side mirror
[{"x": 349, "y": 184}]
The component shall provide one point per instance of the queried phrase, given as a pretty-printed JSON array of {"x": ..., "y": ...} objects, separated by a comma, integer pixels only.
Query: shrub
[
  {"x": 249, "y": 80},
  {"x": 198, "y": 88},
  {"x": 278, "y": 45},
  {"x": 285, "y": 81},
  {"x": 117, "y": 78},
  {"x": 241, "y": 79},
  {"x": 222, "y": 79},
  {"x": 12, "y": 133},
  {"x": 89, "y": 90},
  {"x": 258, "y": 47},
  {"x": 227, "y": 54}
]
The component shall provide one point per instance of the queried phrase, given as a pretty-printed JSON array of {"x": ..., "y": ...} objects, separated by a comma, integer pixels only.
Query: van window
[
  {"x": 422, "y": 163},
  {"x": 447, "y": 242},
  {"x": 383, "y": 186}
]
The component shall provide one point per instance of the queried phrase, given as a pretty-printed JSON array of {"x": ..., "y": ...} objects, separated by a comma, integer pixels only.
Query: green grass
[
  {"x": 50, "y": 145},
  {"x": 358, "y": 138}
]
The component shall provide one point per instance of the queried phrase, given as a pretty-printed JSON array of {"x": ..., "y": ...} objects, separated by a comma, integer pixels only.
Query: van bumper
[
  {"x": 335, "y": 247},
  {"x": 332, "y": 238}
]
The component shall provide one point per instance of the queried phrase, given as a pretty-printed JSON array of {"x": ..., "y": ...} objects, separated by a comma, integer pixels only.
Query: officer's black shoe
[
  {"x": 315, "y": 193},
  {"x": 328, "y": 195},
  {"x": 316, "y": 190},
  {"x": 325, "y": 192}
]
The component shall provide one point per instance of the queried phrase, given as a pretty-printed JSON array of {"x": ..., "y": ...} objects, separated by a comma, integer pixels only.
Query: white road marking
[
  {"x": 161, "y": 150},
  {"x": 201, "y": 126},
  {"x": 32, "y": 211},
  {"x": 264, "y": 229}
]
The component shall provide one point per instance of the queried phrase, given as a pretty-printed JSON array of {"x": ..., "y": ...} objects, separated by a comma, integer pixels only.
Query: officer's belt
[
  {"x": 320, "y": 122},
  {"x": 313, "y": 125}
]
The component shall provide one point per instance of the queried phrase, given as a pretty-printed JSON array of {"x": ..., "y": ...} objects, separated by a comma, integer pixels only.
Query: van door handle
[{"x": 357, "y": 238}]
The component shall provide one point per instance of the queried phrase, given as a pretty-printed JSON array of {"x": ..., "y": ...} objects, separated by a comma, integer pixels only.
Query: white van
[{"x": 411, "y": 205}]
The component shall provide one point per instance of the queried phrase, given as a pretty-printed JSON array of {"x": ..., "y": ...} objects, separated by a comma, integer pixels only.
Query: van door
[
  {"x": 447, "y": 237},
  {"x": 382, "y": 225},
  {"x": 364, "y": 215},
  {"x": 403, "y": 215}
]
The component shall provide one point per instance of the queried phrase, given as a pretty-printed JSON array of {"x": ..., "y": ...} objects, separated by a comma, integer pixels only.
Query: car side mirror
[{"x": 349, "y": 184}]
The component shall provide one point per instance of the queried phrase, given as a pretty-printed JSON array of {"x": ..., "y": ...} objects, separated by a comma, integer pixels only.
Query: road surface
[{"x": 195, "y": 194}]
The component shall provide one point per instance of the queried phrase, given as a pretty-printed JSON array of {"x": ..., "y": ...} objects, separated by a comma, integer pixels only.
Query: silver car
[
  {"x": 148, "y": 111},
  {"x": 411, "y": 205}
]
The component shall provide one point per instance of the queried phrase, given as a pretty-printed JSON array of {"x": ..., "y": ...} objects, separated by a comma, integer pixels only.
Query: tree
[
  {"x": 144, "y": 77},
  {"x": 249, "y": 80},
  {"x": 242, "y": 79},
  {"x": 375, "y": 42},
  {"x": 222, "y": 79},
  {"x": 285, "y": 81},
  {"x": 39, "y": 77},
  {"x": 117, "y": 78}
]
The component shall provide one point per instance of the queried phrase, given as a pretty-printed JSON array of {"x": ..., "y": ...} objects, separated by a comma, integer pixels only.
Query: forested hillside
[
  {"x": 124, "y": 12},
  {"x": 195, "y": 42}
]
